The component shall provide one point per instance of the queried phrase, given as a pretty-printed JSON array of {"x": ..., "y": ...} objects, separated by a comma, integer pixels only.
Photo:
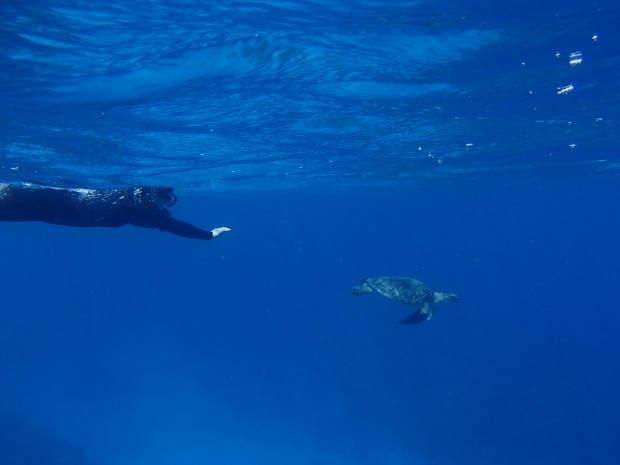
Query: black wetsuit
[{"x": 139, "y": 206}]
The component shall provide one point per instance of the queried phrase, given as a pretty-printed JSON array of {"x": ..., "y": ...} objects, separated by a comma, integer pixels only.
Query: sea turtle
[{"x": 408, "y": 291}]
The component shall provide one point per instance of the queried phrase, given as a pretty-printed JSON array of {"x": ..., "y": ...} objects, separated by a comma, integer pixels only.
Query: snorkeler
[{"x": 139, "y": 206}]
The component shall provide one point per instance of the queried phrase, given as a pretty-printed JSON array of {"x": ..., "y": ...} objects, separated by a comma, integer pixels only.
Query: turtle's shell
[{"x": 405, "y": 290}]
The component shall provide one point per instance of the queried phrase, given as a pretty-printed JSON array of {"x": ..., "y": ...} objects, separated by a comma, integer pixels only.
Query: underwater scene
[{"x": 309, "y": 232}]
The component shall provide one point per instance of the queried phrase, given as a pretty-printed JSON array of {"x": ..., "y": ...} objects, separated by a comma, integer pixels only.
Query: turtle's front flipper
[
  {"x": 415, "y": 318},
  {"x": 425, "y": 313},
  {"x": 427, "y": 310},
  {"x": 361, "y": 290}
]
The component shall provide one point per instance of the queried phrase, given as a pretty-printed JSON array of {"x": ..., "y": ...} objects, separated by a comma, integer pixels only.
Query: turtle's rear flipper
[
  {"x": 361, "y": 290},
  {"x": 415, "y": 318}
]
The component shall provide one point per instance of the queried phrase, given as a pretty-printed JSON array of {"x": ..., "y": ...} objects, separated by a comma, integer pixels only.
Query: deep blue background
[
  {"x": 338, "y": 140},
  {"x": 134, "y": 346}
]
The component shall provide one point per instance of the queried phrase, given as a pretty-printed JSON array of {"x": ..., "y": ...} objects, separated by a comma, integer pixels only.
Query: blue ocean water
[{"x": 472, "y": 145}]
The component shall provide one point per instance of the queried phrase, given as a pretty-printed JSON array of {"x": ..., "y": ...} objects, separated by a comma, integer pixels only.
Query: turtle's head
[{"x": 445, "y": 296}]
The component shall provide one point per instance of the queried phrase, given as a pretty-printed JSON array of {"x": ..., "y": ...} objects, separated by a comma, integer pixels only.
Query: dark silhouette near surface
[{"x": 139, "y": 206}]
